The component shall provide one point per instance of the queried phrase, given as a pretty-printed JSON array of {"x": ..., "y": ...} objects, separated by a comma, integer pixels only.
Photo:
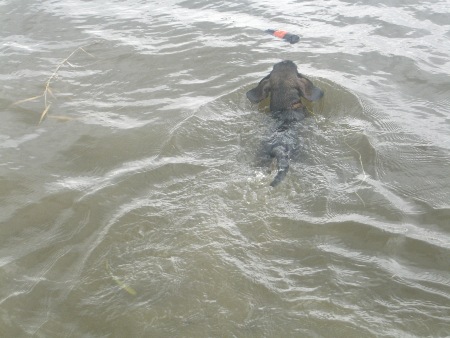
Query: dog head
[{"x": 286, "y": 86}]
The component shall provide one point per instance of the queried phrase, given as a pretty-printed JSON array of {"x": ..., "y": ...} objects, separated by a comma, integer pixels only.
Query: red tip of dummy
[{"x": 280, "y": 34}]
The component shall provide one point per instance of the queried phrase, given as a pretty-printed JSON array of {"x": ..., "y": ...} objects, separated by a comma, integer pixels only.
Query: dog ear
[
  {"x": 261, "y": 91},
  {"x": 309, "y": 91}
]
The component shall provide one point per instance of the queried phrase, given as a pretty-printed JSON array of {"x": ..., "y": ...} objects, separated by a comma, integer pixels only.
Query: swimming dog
[{"x": 286, "y": 86}]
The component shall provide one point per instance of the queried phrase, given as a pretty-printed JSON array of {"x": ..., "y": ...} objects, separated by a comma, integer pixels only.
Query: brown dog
[{"x": 286, "y": 88}]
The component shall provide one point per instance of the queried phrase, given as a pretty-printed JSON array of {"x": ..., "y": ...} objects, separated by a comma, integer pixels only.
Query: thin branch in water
[
  {"x": 44, "y": 113},
  {"x": 47, "y": 90},
  {"x": 26, "y": 100}
]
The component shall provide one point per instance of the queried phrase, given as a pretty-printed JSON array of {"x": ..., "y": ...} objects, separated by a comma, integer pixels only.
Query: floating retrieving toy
[{"x": 291, "y": 38}]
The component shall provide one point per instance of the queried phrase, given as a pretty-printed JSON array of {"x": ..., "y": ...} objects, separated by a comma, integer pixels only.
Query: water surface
[{"x": 136, "y": 208}]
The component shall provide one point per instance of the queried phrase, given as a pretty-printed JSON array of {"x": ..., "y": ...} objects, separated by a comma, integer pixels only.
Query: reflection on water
[{"x": 136, "y": 207}]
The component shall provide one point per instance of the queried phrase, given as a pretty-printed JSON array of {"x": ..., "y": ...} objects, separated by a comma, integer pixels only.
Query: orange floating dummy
[{"x": 291, "y": 38}]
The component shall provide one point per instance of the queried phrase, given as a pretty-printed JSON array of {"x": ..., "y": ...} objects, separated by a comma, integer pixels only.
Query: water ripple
[{"x": 140, "y": 190}]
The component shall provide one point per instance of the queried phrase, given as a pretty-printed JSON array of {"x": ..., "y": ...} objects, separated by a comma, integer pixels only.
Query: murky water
[{"x": 135, "y": 208}]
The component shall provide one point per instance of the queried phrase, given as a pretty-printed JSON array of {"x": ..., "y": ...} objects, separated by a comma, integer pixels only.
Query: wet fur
[{"x": 286, "y": 86}]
